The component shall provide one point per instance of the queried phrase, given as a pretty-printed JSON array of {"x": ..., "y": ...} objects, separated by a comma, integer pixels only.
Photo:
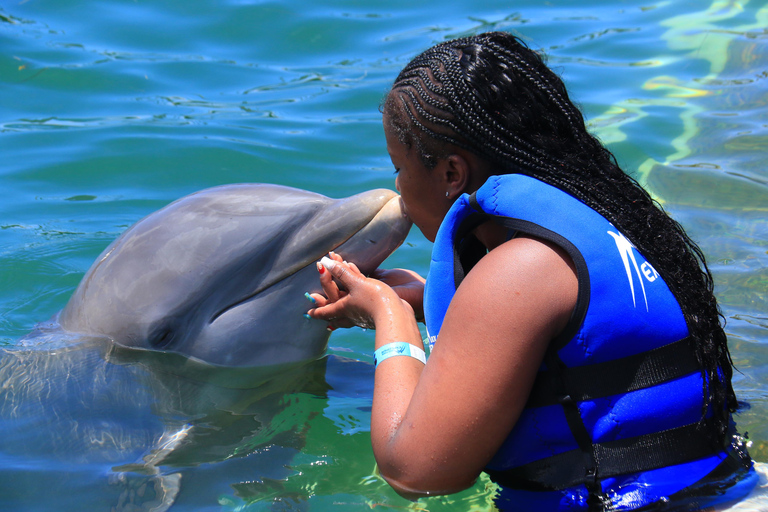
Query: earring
[{"x": 447, "y": 194}]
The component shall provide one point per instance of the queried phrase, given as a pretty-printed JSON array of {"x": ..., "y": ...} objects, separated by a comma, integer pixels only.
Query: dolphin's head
[{"x": 220, "y": 275}]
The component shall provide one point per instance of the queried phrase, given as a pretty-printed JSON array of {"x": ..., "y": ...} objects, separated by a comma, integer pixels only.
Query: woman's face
[{"x": 421, "y": 189}]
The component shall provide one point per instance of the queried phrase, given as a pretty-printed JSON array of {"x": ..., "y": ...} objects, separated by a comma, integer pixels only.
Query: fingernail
[
  {"x": 327, "y": 262},
  {"x": 307, "y": 316},
  {"x": 320, "y": 267},
  {"x": 310, "y": 298},
  {"x": 330, "y": 328}
]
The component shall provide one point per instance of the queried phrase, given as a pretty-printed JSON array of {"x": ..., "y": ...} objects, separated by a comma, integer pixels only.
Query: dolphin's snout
[{"x": 384, "y": 233}]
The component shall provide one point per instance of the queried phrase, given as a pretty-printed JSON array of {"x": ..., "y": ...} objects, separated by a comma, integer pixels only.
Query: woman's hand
[
  {"x": 407, "y": 284},
  {"x": 359, "y": 299}
]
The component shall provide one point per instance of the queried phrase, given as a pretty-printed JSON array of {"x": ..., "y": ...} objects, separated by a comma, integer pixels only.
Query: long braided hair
[{"x": 492, "y": 95}]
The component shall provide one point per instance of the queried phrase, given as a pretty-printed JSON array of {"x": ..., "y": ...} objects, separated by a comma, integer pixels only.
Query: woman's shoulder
[{"x": 533, "y": 279}]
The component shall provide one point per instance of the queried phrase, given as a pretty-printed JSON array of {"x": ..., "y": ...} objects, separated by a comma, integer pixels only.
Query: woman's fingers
[
  {"x": 346, "y": 294},
  {"x": 347, "y": 274},
  {"x": 330, "y": 288},
  {"x": 316, "y": 300},
  {"x": 334, "y": 258},
  {"x": 331, "y": 312}
]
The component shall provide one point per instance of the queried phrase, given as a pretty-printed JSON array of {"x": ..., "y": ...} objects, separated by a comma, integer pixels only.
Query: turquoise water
[{"x": 110, "y": 110}]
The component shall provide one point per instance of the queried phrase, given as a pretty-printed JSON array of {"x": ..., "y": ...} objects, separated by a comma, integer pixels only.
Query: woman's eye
[{"x": 397, "y": 170}]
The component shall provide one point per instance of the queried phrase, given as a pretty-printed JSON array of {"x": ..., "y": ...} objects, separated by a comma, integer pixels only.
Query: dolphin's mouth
[{"x": 367, "y": 247}]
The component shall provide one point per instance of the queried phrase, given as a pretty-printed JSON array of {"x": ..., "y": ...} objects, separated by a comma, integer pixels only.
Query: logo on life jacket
[{"x": 628, "y": 256}]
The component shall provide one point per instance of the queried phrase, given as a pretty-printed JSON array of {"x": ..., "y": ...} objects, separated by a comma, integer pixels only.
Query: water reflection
[{"x": 126, "y": 427}]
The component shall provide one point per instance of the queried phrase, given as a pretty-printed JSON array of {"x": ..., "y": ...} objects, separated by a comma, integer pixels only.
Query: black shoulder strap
[{"x": 466, "y": 252}]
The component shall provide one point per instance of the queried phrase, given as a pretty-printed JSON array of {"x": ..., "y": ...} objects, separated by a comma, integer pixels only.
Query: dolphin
[
  {"x": 179, "y": 348},
  {"x": 220, "y": 275}
]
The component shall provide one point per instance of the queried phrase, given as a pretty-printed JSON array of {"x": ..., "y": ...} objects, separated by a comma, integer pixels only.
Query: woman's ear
[{"x": 455, "y": 173}]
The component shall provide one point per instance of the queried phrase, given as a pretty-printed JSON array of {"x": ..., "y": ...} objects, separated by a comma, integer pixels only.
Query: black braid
[{"x": 492, "y": 95}]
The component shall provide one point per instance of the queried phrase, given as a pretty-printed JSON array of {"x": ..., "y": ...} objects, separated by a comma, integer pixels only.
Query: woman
[{"x": 578, "y": 356}]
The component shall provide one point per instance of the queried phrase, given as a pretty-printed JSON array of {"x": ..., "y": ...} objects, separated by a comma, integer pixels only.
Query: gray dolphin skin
[{"x": 220, "y": 275}]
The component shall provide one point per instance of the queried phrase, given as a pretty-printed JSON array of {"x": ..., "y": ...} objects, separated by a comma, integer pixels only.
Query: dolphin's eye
[{"x": 161, "y": 338}]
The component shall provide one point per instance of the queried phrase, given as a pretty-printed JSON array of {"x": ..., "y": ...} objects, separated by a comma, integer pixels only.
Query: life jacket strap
[
  {"x": 639, "y": 371},
  {"x": 620, "y": 457}
]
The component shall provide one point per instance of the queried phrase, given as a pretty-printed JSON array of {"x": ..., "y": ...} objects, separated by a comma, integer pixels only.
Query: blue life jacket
[{"x": 614, "y": 421}]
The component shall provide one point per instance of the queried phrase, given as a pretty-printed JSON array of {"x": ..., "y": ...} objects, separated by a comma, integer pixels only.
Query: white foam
[{"x": 757, "y": 500}]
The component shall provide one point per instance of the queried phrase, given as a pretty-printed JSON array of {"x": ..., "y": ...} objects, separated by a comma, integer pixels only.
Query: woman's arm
[{"x": 434, "y": 427}]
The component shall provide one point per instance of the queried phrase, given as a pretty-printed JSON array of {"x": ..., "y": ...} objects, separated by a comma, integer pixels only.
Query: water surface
[{"x": 110, "y": 110}]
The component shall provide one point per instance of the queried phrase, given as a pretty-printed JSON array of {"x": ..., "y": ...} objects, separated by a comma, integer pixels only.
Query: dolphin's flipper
[
  {"x": 153, "y": 494},
  {"x": 165, "y": 487}
]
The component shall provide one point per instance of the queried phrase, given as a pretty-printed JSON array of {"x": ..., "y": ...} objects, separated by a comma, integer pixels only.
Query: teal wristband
[{"x": 398, "y": 348}]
